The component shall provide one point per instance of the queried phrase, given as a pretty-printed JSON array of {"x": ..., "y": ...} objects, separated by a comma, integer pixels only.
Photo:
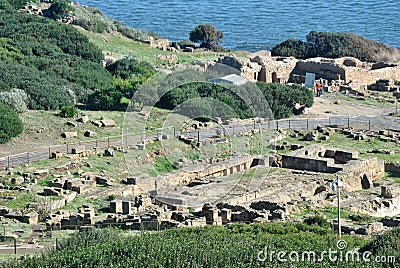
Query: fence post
[
  {"x": 8, "y": 162},
  {"x": 15, "y": 246},
  {"x": 108, "y": 142},
  {"x": 49, "y": 153},
  {"x": 329, "y": 121},
  {"x": 289, "y": 124},
  {"x": 28, "y": 157},
  {"x": 269, "y": 123},
  {"x": 174, "y": 132},
  {"x": 277, "y": 125},
  {"x": 67, "y": 148},
  {"x": 369, "y": 125},
  {"x": 307, "y": 123},
  {"x": 96, "y": 143},
  {"x": 254, "y": 124},
  {"x": 198, "y": 136},
  {"x": 348, "y": 122}
]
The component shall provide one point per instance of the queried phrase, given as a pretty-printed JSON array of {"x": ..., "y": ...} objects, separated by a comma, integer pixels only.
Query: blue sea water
[{"x": 255, "y": 25}]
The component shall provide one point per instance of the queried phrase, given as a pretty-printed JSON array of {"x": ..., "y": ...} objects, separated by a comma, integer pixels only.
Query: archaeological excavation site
[{"x": 220, "y": 172}]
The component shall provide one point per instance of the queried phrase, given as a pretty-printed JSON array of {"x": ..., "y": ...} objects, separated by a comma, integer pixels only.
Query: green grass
[
  {"x": 21, "y": 201},
  {"x": 341, "y": 141},
  {"x": 162, "y": 165},
  {"x": 119, "y": 46},
  {"x": 368, "y": 101}
]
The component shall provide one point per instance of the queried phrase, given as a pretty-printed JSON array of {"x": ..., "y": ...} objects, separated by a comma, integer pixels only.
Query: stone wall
[
  {"x": 392, "y": 167},
  {"x": 367, "y": 76},
  {"x": 356, "y": 173},
  {"x": 326, "y": 69}
]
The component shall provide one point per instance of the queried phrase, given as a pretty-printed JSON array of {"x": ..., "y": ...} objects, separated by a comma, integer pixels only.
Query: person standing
[{"x": 318, "y": 85}]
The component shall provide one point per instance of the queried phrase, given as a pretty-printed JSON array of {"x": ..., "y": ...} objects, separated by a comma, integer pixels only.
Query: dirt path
[{"x": 325, "y": 107}]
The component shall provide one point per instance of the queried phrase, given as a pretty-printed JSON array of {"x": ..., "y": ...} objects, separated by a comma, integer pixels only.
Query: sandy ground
[{"x": 325, "y": 107}]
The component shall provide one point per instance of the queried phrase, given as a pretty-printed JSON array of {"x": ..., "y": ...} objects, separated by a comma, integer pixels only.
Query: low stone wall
[
  {"x": 308, "y": 163},
  {"x": 392, "y": 167}
]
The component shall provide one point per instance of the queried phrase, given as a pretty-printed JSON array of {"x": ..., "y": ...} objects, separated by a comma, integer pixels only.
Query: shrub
[
  {"x": 16, "y": 99},
  {"x": 282, "y": 98},
  {"x": 131, "y": 33},
  {"x": 59, "y": 9},
  {"x": 10, "y": 124},
  {"x": 68, "y": 112},
  {"x": 207, "y": 35},
  {"x": 386, "y": 245},
  {"x": 317, "y": 220},
  {"x": 335, "y": 45},
  {"x": 92, "y": 19}
]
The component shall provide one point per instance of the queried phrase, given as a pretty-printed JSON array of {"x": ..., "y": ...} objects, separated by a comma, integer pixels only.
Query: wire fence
[{"x": 131, "y": 139}]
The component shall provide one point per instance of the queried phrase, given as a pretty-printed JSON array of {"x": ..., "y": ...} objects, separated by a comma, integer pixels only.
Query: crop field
[{"x": 236, "y": 245}]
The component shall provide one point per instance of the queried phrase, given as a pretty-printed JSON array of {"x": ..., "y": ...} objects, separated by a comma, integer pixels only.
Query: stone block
[
  {"x": 126, "y": 207},
  {"x": 84, "y": 119},
  {"x": 390, "y": 191},
  {"x": 97, "y": 123},
  {"x": 78, "y": 150},
  {"x": 69, "y": 135},
  {"x": 90, "y": 134},
  {"x": 226, "y": 215},
  {"x": 56, "y": 155},
  {"x": 366, "y": 182},
  {"x": 107, "y": 123},
  {"x": 72, "y": 124}
]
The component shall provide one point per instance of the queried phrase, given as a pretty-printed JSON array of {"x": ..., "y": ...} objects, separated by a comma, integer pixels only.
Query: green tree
[
  {"x": 59, "y": 9},
  {"x": 68, "y": 112},
  {"x": 10, "y": 124},
  {"x": 207, "y": 35},
  {"x": 335, "y": 45}
]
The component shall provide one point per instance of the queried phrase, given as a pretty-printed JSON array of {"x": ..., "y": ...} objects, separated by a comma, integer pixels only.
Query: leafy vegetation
[
  {"x": 207, "y": 35},
  {"x": 52, "y": 63},
  {"x": 59, "y": 9},
  {"x": 280, "y": 98},
  {"x": 68, "y": 112},
  {"x": 128, "y": 75},
  {"x": 335, "y": 45},
  {"x": 237, "y": 245},
  {"x": 10, "y": 124},
  {"x": 386, "y": 245}
]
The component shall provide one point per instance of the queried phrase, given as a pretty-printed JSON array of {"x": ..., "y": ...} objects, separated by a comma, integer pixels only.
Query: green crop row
[{"x": 236, "y": 245}]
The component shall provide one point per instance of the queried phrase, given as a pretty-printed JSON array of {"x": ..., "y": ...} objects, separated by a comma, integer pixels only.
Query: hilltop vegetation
[
  {"x": 336, "y": 45},
  {"x": 53, "y": 63}
]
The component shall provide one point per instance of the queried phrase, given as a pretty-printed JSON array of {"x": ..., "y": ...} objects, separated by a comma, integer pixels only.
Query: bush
[
  {"x": 282, "y": 98},
  {"x": 59, "y": 9},
  {"x": 192, "y": 93},
  {"x": 335, "y": 45},
  {"x": 92, "y": 19},
  {"x": 386, "y": 245},
  {"x": 317, "y": 220},
  {"x": 16, "y": 99},
  {"x": 10, "y": 124},
  {"x": 68, "y": 112}
]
